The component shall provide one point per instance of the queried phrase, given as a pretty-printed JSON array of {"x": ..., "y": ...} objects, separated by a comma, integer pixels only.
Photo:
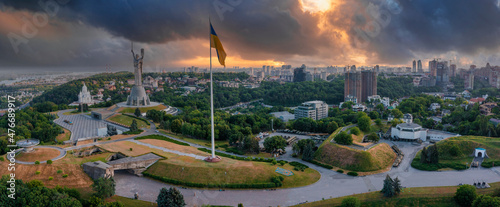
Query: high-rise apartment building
[
  {"x": 442, "y": 73},
  {"x": 300, "y": 74},
  {"x": 453, "y": 70},
  {"x": 432, "y": 67},
  {"x": 414, "y": 69},
  {"x": 419, "y": 67},
  {"x": 360, "y": 84},
  {"x": 368, "y": 84}
]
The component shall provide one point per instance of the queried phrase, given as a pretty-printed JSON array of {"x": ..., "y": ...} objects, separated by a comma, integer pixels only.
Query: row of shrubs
[
  {"x": 489, "y": 164},
  {"x": 211, "y": 185},
  {"x": 133, "y": 132},
  {"x": 163, "y": 138},
  {"x": 320, "y": 164},
  {"x": 434, "y": 167},
  {"x": 257, "y": 159},
  {"x": 135, "y": 117},
  {"x": 298, "y": 164},
  {"x": 235, "y": 151},
  {"x": 352, "y": 173},
  {"x": 329, "y": 167}
]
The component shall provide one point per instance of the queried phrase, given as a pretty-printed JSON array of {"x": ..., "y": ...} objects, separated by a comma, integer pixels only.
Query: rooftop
[
  {"x": 409, "y": 125},
  {"x": 98, "y": 164},
  {"x": 149, "y": 156}
]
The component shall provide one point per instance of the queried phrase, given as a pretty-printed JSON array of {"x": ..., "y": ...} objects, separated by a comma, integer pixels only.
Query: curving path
[
  {"x": 62, "y": 153},
  {"x": 331, "y": 184},
  {"x": 198, "y": 157}
]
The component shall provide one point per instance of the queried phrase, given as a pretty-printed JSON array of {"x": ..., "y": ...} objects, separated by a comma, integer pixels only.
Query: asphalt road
[{"x": 331, "y": 184}]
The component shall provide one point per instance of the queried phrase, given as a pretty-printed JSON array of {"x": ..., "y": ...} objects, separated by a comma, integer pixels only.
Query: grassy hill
[
  {"x": 228, "y": 171},
  {"x": 378, "y": 157},
  {"x": 420, "y": 196},
  {"x": 456, "y": 152}
]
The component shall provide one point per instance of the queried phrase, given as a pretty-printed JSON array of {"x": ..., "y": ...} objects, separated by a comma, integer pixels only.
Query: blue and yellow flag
[{"x": 215, "y": 43}]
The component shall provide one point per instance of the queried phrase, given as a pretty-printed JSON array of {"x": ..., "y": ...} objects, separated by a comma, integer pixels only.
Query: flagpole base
[{"x": 212, "y": 159}]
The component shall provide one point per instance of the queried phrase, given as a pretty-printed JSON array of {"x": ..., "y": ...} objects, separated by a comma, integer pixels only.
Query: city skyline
[{"x": 255, "y": 33}]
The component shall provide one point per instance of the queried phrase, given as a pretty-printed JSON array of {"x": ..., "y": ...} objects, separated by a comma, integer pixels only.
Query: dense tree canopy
[
  {"x": 465, "y": 195},
  {"x": 33, "y": 124},
  {"x": 343, "y": 138},
  {"x": 274, "y": 143},
  {"x": 170, "y": 198}
]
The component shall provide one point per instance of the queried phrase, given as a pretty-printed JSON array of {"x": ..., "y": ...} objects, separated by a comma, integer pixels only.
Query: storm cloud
[{"x": 387, "y": 32}]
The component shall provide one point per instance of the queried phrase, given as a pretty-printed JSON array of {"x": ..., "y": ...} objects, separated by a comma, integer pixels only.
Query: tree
[
  {"x": 397, "y": 113},
  {"x": 343, "y": 138},
  {"x": 423, "y": 155},
  {"x": 274, "y": 143},
  {"x": 486, "y": 201},
  {"x": 350, "y": 202},
  {"x": 176, "y": 126},
  {"x": 114, "y": 204},
  {"x": 378, "y": 122},
  {"x": 162, "y": 124},
  {"x": 465, "y": 195},
  {"x": 137, "y": 112},
  {"x": 455, "y": 150},
  {"x": 104, "y": 187},
  {"x": 170, "y": 198},
  {"x": 373, "y": 115},
  {"x": 301, "y": 144},
  {"x": 63, "y": 202},
  {"x": 397, "y": 186},
  {"x": 433, "y": 154},
  {"x": 364, "y": 123},
  {"x": 308, "y": 153},
  {"x": 355, "y": 131},
  {"x": 332, "y": 126},
  {"x": 134, "y": 126},
  {"x": 388, "y": 189},
  {"x": 373, "y": 137},
  {"x": 347, "y": 105}
]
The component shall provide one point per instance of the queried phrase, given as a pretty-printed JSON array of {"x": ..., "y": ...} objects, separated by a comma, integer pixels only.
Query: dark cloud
[
  {"x": 255, "y": 29},
  {"x": 280, "y": 30},
  {"x": 434, "y": 27}
]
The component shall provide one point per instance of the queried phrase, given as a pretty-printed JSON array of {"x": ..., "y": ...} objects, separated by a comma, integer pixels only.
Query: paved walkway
[
  {"x": 168, "y": 150},
  {"x": 62, "y": 153},
  {"x": 83, "y": 126},
  {"x": 331, "y": 184}
]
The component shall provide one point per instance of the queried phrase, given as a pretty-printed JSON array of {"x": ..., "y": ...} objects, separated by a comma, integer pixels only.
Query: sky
[{"x": 318, "y": 33}]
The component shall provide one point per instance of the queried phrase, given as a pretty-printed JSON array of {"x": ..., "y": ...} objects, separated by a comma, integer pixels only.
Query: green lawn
[
  {"x": 128, "y": 202},
  {"x": 455, "y": 152},
  {"x": 376, "y": 158},
  {"x": 142, "y": 109},
  {"x": 201, "y": 142},
  {"x": 127, "y": 120},
  {"x": 422, "y": 196},
  {"x": 70, "y": 159},
  {"x": 229, "y": 171}
]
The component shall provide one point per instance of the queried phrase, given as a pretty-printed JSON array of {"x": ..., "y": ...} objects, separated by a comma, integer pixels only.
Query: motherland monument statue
[{"x": 138, "y": 96}]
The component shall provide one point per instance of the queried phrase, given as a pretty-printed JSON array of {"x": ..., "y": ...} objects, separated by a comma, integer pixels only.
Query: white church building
[{"x": 84, "y": 97}]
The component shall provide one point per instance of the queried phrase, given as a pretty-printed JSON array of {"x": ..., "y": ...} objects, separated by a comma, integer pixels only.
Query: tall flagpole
[{"x": 211, "y": 92}]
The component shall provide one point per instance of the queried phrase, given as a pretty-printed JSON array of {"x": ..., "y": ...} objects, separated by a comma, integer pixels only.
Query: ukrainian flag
[{"x": 215, "y": 43}]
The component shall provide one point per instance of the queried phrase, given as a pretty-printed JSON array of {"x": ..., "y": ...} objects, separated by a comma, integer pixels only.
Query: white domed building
[{"x": 84, "y": 96}]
